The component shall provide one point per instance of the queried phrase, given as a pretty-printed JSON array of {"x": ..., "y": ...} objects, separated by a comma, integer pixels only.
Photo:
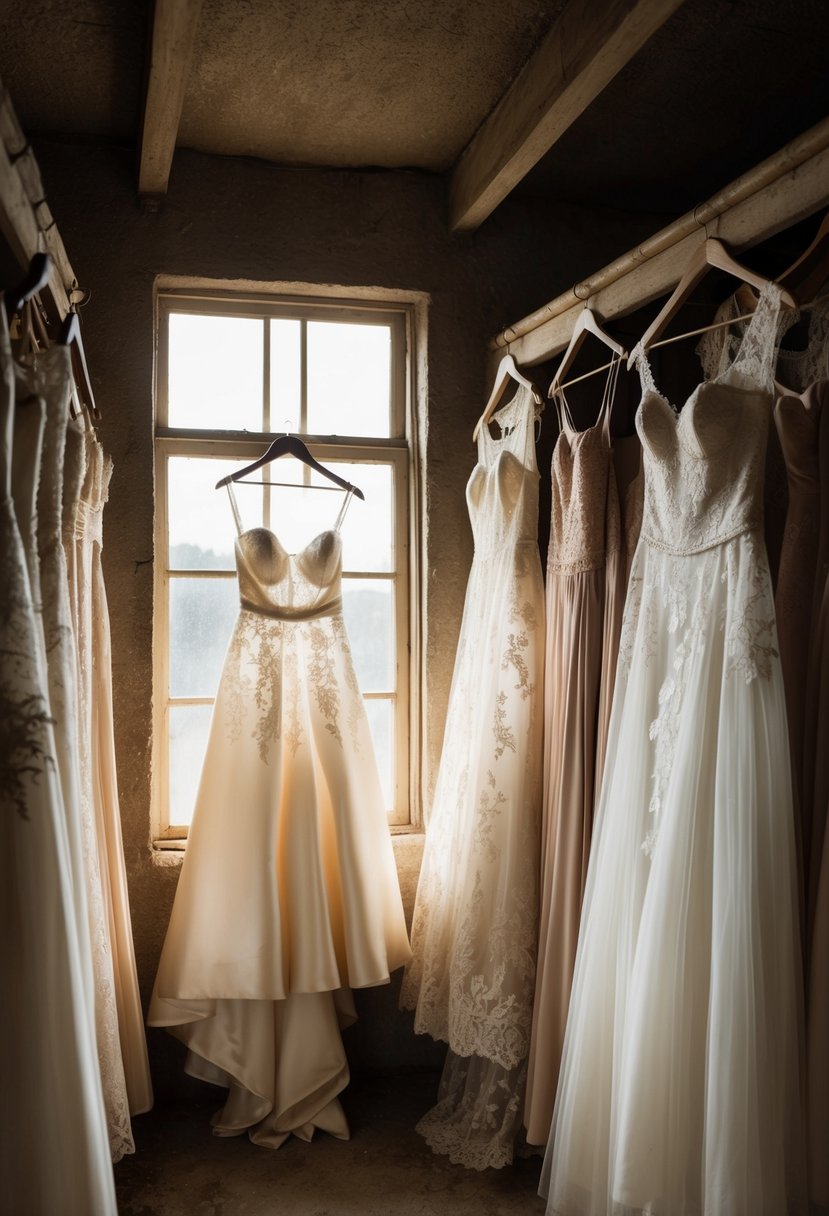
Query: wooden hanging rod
[
  {"x": 26, "y": 223},
  {"x": 780, "y": 191}
]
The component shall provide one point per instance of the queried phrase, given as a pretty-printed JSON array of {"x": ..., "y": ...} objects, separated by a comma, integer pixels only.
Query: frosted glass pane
[
  {"x": 286, "y": 362},
  {"x": 200, "y": 521},
  {"x": 215, "y": 371},
  {"x": 349, "y": 377},
  {"x": 189, "y": 725},
  {"x": 368, "y": 609},
  {"x": 380, "y": 719},
  {"x": 202, "y": 614}
]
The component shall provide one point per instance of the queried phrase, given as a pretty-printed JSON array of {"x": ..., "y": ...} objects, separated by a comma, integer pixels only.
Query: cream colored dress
[
  {"x": 54, "y": 1149},
  {"x": 476, "y": 917},
  {"x": 288, "y": 895},
  {"x": 119, "y": 1022}
]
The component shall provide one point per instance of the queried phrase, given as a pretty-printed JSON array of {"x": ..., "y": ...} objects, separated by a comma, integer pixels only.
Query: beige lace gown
[
  {"x": 476, "y": 916},
  {"x": 585, "y": 598}
]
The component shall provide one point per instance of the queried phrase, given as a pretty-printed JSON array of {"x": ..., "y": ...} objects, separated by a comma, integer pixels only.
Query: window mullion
[{"x": 266, "y": 411}]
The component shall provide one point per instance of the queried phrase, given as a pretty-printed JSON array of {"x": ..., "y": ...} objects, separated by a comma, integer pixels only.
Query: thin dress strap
[
  {"x": 340, "y": 520},
  {"x": 609, "y": 395},
  {"x": 645, "y": 370},
  {"x": 235, "y": 509}
]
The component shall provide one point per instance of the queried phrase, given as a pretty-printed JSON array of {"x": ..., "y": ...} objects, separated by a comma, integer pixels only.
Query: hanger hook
[{"x": 289, "y": 425}]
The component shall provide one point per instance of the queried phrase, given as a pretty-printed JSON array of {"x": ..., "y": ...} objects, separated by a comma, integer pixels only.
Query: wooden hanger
[
  {"x": 290, "y": 445},
  {"x": 35, "y": 279},
  {"x": 805, "y": 277},
  {"x": 507, "y": 370},
  {"x": 710, "y": 253},
  {"x": 587, "y": 323}
]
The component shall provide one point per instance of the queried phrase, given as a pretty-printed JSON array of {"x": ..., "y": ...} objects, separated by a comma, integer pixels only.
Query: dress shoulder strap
[
  {"x": 346, "y": 503},
  {"x": 235, "y": 509},
  {"x": 753, "y": 365}
]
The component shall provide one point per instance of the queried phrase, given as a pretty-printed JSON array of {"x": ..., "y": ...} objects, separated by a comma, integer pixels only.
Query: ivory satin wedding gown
[
  {"x": 681, "y": 1080},
  {"x": 288, "y": 895}
]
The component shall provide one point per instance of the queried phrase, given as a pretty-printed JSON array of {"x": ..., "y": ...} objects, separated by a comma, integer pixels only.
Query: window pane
[
  {"x": 200, "y": 521},
  {"x": 202, "y": 614},
  {"x": 368, "y": 528},
  {"x": 349, "y": 379},
  {"x": 368, "y": 609},
  {"x": 379, "y": 714},
  {"x": 286, "y": 359},
  {"x": 188, "y": 739},
  {"x": 215, "y": 372}
]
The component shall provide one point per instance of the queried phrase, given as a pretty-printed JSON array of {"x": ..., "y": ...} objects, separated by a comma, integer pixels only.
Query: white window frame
[{"x": 398, "y": 451}]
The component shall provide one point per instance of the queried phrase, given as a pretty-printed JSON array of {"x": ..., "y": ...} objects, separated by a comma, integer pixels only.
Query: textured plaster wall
[{"x": 237, "y": 219}]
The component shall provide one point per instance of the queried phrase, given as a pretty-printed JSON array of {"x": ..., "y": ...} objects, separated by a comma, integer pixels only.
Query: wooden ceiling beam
[
  {"x": 174, "y": 34},
  {"x": 590, "y": 41}
]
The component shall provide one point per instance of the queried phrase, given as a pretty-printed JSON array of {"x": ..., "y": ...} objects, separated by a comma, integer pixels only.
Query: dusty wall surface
[{"x": 236, "y": 219}]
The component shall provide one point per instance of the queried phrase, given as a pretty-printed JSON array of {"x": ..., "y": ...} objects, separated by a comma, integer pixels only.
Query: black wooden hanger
[{"x": 290, "y": 445}]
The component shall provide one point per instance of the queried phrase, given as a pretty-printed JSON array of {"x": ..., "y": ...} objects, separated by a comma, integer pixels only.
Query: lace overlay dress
[
  {"x": 680, "y": 1087},
  {"x": 288, "y": 895},
  {"x": 54, "y": 1150},
  {"x": 475, "y": 923}
]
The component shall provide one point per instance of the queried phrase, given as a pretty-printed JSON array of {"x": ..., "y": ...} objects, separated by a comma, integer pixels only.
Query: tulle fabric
[
  {"x": 680, "y": 1089},
  {"x": 478, "y": 1110}
]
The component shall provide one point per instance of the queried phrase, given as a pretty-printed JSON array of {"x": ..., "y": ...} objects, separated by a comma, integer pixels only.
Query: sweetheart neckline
[{"x": 299, "y": 552}]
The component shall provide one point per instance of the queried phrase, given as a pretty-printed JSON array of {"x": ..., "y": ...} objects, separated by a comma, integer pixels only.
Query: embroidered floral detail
[
  {"x": 323, "y": 679},
  {"x": 516, "y": 643},
  {"x": 504, "y": 737},
  {"x": 752, "y": 630}
]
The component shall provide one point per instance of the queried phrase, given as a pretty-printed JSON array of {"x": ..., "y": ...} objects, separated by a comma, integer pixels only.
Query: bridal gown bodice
[
  {"x": 287, "y": 586},
  {"x": 703, "y": 483}
]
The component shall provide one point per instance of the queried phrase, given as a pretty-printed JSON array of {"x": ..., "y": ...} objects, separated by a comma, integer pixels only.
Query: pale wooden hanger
[
  {"x": 710, "y": 253},
  {"x": 507, "y": 370},
  {"x": 587, "y": 323}
]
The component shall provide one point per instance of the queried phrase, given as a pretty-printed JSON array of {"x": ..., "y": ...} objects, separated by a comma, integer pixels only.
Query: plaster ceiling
[
  {"x": 399, "y": 83},
  {"x": 408, "y": 82}
]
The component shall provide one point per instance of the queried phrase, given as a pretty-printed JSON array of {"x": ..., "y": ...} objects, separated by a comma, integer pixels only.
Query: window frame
[{"x": 397, "y": 450}]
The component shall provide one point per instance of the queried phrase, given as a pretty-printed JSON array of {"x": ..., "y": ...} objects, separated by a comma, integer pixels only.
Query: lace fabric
[
  {"x": 52, "y": 1102},
  {"x": 474, "y": 930},
  {"x": 671, "y": 1098}
]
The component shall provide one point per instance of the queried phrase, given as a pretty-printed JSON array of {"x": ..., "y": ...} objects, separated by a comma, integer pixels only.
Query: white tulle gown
[
  {"x": 288, "y": 896},
  {"x": 680, "y": 1090}
]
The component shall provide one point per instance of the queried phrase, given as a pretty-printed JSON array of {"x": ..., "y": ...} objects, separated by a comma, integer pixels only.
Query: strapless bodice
[
  {"x": 704, "y": 466},
  {"x": 289, "y": 586}
]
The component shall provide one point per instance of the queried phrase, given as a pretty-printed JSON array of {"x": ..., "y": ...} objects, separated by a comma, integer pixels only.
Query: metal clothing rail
[
  {"x": 26, "y": 223},
  {"x": 787, "y": 187}
]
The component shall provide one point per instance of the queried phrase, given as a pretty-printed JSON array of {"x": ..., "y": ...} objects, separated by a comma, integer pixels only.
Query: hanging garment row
[
  {"x": 683, "y": 873},
  {"x": 75, "y": 1059}
]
